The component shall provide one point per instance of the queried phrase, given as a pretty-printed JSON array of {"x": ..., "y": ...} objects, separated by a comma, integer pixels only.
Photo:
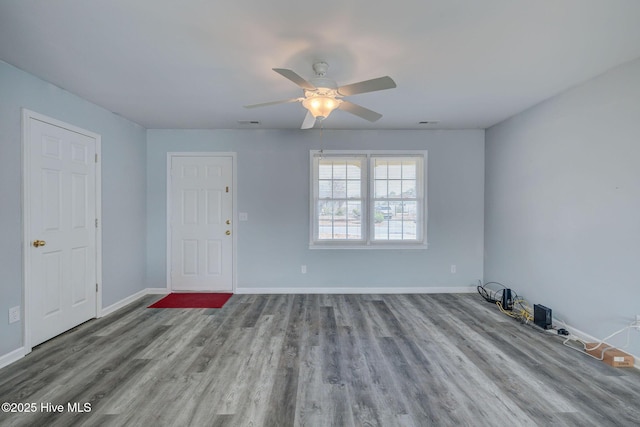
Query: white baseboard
[
  {"x": 355, "y": 290},
  {"x": 128, "y": 300},
  {"x": 158, "y": 291},
  {"x": 11, "y": 357}
]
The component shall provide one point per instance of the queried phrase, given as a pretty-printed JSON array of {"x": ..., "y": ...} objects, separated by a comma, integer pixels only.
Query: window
[{"x": 368, "y": 199}]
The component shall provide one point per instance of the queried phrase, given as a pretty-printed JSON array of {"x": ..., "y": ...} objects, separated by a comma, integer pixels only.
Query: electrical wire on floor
[
  {"x": 524, "y": 312},
  {"x": 490, "y": 295},
  {"x": 521, "y": 310},
  {"x": 587, "y": 347}
]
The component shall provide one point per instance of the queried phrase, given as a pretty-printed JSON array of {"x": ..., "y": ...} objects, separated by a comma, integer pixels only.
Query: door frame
[
  {"x": 27, "y": 116},
  {"x": 234, "y": 216}
]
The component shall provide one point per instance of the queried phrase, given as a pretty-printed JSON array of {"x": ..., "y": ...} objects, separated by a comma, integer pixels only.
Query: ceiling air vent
[
  {"x": 249, "y": 122},
  {"x": 429, "y": 122}
]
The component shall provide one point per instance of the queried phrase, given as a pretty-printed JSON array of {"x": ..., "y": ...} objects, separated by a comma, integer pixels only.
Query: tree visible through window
[{"x": 362, "y": 199}]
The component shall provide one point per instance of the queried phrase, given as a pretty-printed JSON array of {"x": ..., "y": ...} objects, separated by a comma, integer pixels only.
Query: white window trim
[{"x": 367, "y": 243}]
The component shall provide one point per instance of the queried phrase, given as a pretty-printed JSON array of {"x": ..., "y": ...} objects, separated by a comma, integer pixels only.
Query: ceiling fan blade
[
  {"x": 359, "y": 111},
  {"x": 294, "y": 77},
  {"x": 309, "y": 121},
  {"x": 381, "y": 83},
  {"x": 282, "y": 101}
]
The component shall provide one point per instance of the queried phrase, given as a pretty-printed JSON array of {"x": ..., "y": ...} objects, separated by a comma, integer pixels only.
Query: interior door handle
[{"x": 38, "y": 243}]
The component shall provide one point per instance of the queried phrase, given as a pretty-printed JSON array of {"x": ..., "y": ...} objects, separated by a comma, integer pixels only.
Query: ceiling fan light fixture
[{"x": 320, "y": 106}]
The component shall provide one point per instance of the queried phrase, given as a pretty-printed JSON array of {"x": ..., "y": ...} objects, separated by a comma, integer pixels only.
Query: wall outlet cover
[{"x": 14, "y": 314}]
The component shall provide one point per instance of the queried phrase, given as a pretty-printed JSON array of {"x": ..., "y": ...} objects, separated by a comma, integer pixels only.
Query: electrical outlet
[
  {"x": 453, "y": 269},
  {"x": 303, "y": 269},
  {"x": 14, "y": 314}
]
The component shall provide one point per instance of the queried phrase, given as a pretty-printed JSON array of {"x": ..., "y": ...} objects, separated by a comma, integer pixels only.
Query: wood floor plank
[
  {"x": 329, "y": 345},
  {"x": 358, "y": 382},
  {"x": 319, "y": 360},
  {"x": 386, "y": 388},
  {"x": 282, "y": 402}
]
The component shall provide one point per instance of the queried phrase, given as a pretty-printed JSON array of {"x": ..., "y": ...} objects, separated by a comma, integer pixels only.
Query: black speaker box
[{"x": 507, "y": 299}]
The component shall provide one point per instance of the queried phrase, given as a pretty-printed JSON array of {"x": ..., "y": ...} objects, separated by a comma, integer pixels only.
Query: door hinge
[
  {"x": 96, "y": 288},
  {"x": 96, "y": 222},
  {"x": 96, "y": 157},
  {"x": 227, "y": 189}
]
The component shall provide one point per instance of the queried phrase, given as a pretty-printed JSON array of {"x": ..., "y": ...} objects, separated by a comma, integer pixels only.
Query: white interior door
[
  {"x": 61, "y": 233},
  {"x": 201, "y": 209}
]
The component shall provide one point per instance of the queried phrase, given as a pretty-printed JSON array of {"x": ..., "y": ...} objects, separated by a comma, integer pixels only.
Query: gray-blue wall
[
  {"x": 273, "y": 188},
  {"x": 562, "y": 204},
  {"x": 123, "y": 190}
]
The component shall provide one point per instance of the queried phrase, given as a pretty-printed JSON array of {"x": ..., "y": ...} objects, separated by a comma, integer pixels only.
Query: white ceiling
[{"x": 195, "y": 63}]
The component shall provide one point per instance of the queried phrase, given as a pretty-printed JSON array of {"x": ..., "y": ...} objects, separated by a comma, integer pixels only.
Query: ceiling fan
[{"x": 322, "y": 95}]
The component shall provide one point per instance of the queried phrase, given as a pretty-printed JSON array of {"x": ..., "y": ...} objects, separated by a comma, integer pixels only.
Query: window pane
[
  {"x": 339, "y": 189},
  {"x": 325, "y": 169},
  {"x": 382, "y": 211},
  {"x": 325, "y": 220},
  {"x": 353, "y": 170},
  {"x": 324, "y": 189},
  {"x": 354, "y": 222},
  {"x": 353, "y": 189},
  {"x": 409, "y": 169},
  {"x": 410, "y": 211},
  {"x": 395, "y": 188},
  {"x": 395, "y": 230},
  {"x": 380, "y": 169},
  {"x": 395, "y": 170},
  {"x": 339, "y": 169},
  {"x": 408, "y": 189},
  {"x": 381, "y": 189},
  {"x": 355, "y": 211},
  {"x": 381, "y": 216},
  {"x": 339, "y": 211}
]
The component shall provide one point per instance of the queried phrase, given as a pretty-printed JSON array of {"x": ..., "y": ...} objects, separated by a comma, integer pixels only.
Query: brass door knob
[
  {"x": 38, "y": 243},
  {"x": 228, "y": 221},
  {"x": 227, "y": 232}
]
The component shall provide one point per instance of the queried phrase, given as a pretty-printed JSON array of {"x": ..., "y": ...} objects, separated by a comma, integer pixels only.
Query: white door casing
[
  {"x": 201, "y": 230},
  {"x": 61, "y": 247}
]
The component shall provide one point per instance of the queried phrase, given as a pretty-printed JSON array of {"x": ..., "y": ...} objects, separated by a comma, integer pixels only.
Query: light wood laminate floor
[{"x": 318, "y": 360}]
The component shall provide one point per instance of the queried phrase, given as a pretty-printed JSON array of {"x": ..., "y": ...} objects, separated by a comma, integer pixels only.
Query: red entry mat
[{"x": 192, "y": 300}]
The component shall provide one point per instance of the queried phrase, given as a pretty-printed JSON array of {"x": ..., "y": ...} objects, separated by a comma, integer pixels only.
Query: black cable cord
[{"x": 488, "y": 294}]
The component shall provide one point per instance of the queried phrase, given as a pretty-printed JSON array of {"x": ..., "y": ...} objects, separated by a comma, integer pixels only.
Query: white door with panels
[
  {"x": 201, "y": 209},
  {"x": 61, "y": 223}
]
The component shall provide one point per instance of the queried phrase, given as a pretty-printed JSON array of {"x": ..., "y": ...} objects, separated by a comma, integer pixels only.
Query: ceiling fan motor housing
[{"x": 323, "y": 82}]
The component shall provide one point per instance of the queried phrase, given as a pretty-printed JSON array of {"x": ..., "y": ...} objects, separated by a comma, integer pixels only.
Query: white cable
[{"x": 584, "y": 345}]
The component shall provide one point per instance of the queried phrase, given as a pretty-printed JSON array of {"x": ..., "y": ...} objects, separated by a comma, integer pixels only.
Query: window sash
[
  {"x": 337, "y": 191},
  {"x": 396, "y": 199}
]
